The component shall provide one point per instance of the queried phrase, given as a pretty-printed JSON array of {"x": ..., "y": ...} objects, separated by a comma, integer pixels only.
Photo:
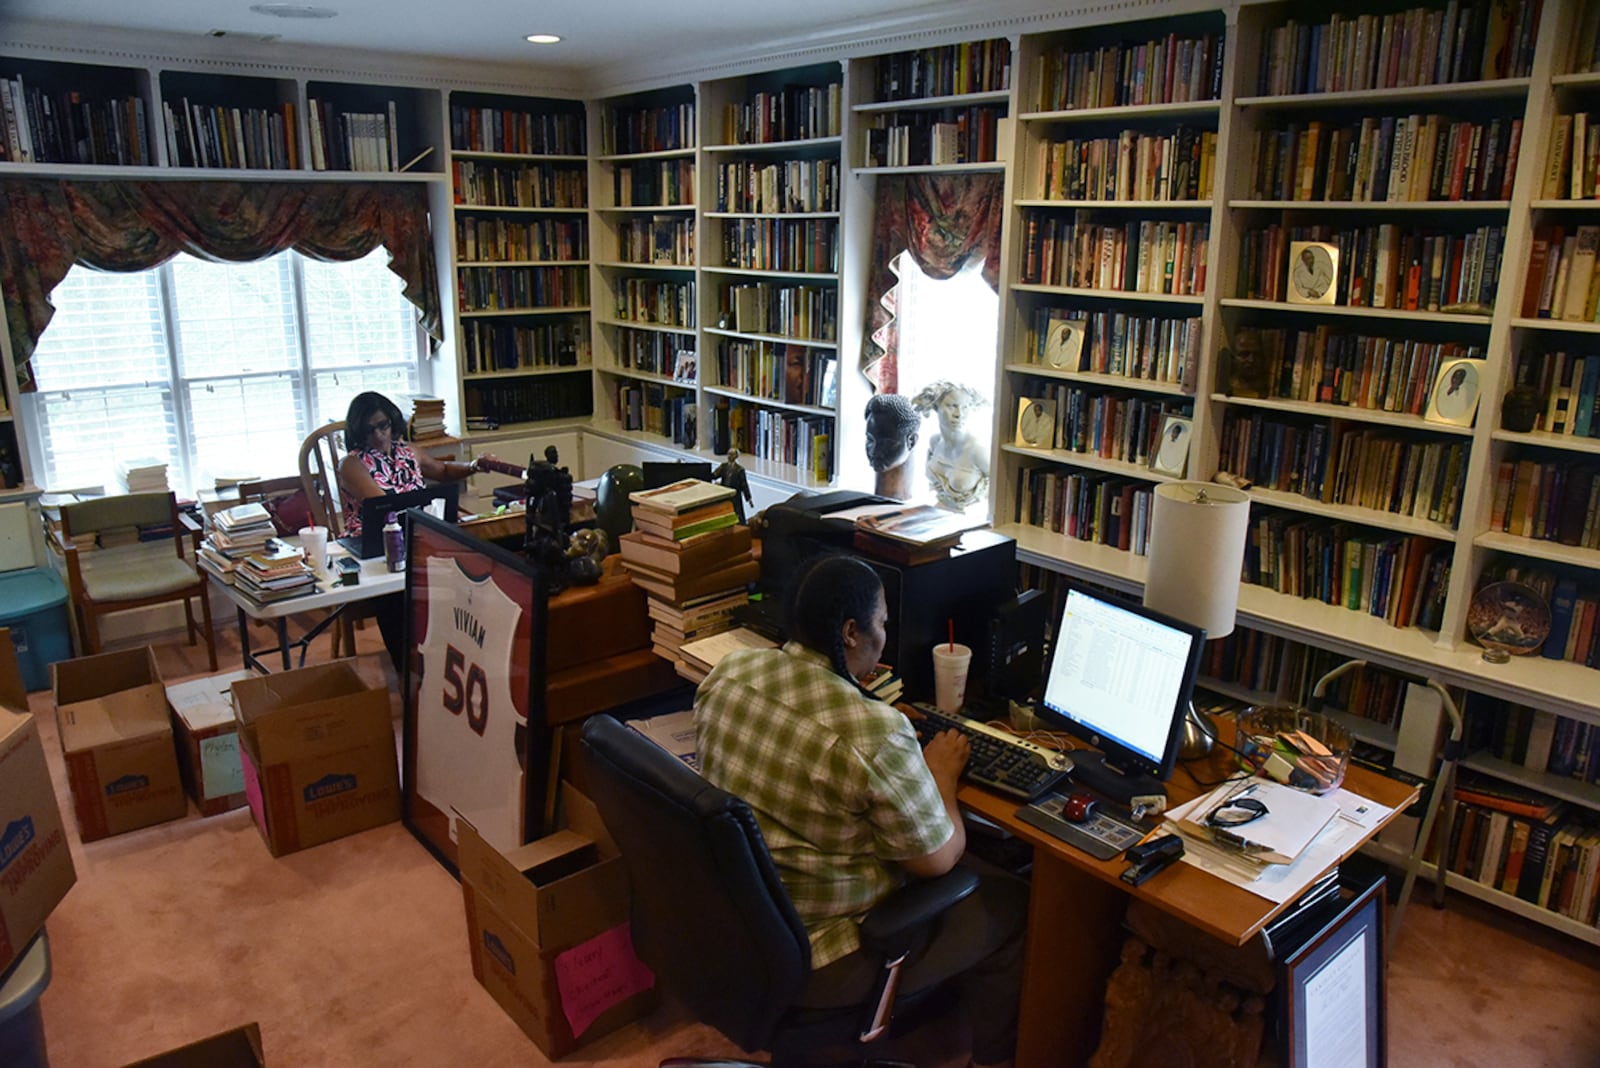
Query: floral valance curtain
[
  {"x": 46, "y": 226},
  {"x": 944, "y": 222}
]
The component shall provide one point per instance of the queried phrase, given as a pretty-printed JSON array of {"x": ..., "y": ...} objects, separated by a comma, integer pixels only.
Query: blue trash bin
[
  {"x": 33, "y": 604},
  {"x": 21, "y": 1019}
]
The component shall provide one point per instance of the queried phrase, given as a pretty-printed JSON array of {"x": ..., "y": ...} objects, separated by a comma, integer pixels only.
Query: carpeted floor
[{"x": 354, "y": 953}]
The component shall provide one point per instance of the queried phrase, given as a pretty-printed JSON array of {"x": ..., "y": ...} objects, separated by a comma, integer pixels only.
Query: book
[
  {"x": 685, "y": 495},
  {"x": 682, "y": 589},
  {"x": 674, "y": 732},
  {"x": 685, "y": 556},
  {"x": 688, "y": 525},
  {"x": 706, "y": 653},
  {"x": 922, "y": 524},
  {"x": 1500, "y": 796}
]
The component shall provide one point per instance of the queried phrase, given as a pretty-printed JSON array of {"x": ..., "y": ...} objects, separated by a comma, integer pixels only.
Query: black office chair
[{"x": 712, "y": 919}]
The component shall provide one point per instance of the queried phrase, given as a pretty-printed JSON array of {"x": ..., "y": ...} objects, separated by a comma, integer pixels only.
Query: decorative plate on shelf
[{"x": 1508, "y": 619}]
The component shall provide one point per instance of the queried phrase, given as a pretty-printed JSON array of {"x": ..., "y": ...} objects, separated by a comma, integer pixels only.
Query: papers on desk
[
  {"x": 1292, "y": 818},
  {"x": 703, "y": 654},
  {"x": 1354, "y": 819}
]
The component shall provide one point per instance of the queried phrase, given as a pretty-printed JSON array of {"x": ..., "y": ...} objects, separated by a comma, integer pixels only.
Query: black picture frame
[
  {"x": 1329, "y": 998},
  {"x": 523, "y": 585}
]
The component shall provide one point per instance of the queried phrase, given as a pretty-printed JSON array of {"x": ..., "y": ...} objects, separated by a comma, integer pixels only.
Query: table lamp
[{"x": 1197, "y": 536}]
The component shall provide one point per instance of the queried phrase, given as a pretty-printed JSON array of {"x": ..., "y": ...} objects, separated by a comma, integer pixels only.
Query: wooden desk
[{"x": 1075, "y": 932}]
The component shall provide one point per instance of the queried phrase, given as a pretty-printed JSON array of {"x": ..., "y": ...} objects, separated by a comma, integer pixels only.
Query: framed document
[
  {"x": 475, "y": 744},
  {"x": 1171, "y": 453},
  {"x": 1332, "y": 996},
  {"x": 1063, "y": 344},
  {"x": 1454, "y": 398},
  {"x": 1313, "y": 272},
  {"x": 1036, "y": 422}
]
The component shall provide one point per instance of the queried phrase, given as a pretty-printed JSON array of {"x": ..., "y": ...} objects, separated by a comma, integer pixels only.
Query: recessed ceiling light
[
  {"x": 543, "y": 38},
  {"x": 293, "y": 11}
]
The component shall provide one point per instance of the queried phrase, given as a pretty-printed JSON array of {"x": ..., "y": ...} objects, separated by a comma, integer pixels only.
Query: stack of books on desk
[
  {"x": 235, "y": 533},
  {"x": 427, "y": 418},
  {"x": 692, "y": 558},
  {"x": 275, "y": 572}
]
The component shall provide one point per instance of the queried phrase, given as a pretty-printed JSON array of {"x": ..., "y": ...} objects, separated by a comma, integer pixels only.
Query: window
[{"x": 217, "y": 370}]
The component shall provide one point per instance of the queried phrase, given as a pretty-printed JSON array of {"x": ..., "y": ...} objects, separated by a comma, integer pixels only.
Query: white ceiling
[{"x": 604, "y": 41}]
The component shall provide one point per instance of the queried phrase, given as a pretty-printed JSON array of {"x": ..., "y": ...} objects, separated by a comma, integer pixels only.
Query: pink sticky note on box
[{"x": 593, "y": 976}]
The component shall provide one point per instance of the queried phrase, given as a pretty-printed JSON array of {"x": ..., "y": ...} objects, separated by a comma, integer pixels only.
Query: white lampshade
[{"x": 1197, "y": 535}]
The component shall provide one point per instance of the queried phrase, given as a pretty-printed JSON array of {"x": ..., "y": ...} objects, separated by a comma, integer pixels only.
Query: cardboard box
[
  {"x": 547, "y": 927},
  {"x": 318, "y": 755},
  {"x": 116, "y": 734},
  {"x": 35, "y": 860},
  {"x": 208, "y": 741},
  {"x": 239, "y": 1048}
]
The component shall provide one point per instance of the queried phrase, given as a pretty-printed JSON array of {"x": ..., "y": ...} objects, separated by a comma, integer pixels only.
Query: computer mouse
[{"x": 1080, "y": 806}]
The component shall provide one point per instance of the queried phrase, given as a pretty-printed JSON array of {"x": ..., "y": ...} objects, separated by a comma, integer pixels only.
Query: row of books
[
  {"x": 949, "y": 70},
  {"x": 655, "y": 300},
  {"x": 1090, "y": 507},
  {"x": 1400, "y": 579},
  {"x": 550, "y": 397},
  {"x": 1571, "y": 168},
  {"x": 1548, "y": 501},
  {"x": 500, "y": 240},
  {"x": 354, "y": 140},
  {"x": 1569, "y": 391},
  {"x": 484, "y": 129},
  {"x": 1108, "y": 425},
  {"x": 1133, "y": 165},
  {"x": 934, "y": 138},
  {"x": 1387, "y": 158},
  {"x": 1323, "y": 366},
  {"x": 657, "y": 409},
  {"x": 795, "y": 311},
  {"x": 1460, "y": 41},
  {"x": 1166, "y": 70},
  {"x": 647, "y": 129},
  {"x": 1574, "y": 606},
  {"x": 1383, "y": 266},
  {"x": 1549, "y": 862},
  {"x": 657, "y": 353},
  {"x": 1347, "y": 464},
  {"x": 1082, "y": 251},
  {"x": 518, "y": 185},
  {"x": 205, "y": 135},
  {"x": 1533, "y": 738},
  {"x": 1562, "y": 281},
  {"x": 804, "y": 442},
  {"x": 661, "y": 239},
  {"x": 661, "y": 183},
  {"x": 1145, "y": 347},
  {"x": 796, "y": 185},
  {"x": 792, "y": 113},
  {"x": 793, "y": 374},
  {"x": 509, "y": 288},
  {"x": 63, "y": 127},
  {"x": 810, "y": 245},
  {"x": 488, "y": 345}
]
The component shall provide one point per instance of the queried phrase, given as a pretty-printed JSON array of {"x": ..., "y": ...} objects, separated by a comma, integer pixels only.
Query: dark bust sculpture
[{"x": 892, "y": 426}]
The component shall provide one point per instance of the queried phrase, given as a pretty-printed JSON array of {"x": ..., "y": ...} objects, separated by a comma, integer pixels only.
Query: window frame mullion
[
  {"x": 297, "y": 285},
  {"x": 177, "y": 404}
]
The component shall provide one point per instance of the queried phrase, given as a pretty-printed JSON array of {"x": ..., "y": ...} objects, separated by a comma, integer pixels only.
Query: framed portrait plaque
[
  {"x": 1454, "y": 398},
  {"x": 1313, "y": 272},
  {"x": 1170, "y": 456}
]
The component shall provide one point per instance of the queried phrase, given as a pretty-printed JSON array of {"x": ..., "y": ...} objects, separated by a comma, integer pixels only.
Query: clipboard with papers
[{"x": 1282, "y": 820}]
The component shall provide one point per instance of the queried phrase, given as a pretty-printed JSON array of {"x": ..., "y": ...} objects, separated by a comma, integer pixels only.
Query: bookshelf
[
  {"x": 772, "y": 194},
  {"x": 520, "y": 241},
  {"x": 647, "y": 245},
  {"x": 943, "y": 109}
]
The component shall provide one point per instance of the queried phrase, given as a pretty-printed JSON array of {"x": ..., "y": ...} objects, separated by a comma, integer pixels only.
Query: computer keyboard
[{"x": 1000, "y": 760}]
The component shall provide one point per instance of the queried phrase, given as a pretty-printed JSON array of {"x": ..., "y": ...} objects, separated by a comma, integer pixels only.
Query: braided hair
[{"x": 836, "y": 588}]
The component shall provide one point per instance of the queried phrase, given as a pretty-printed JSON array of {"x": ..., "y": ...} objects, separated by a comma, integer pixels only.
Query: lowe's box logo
[
  {"x": 328, "y": 786},
  {"x": 127, "y": 784},
  {"x": 497, "y": 950},
  {"x": 18, "y": 836}
]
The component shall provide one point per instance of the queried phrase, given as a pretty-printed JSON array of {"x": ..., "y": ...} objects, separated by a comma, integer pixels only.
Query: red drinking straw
[{"x": 950, "y": 624}]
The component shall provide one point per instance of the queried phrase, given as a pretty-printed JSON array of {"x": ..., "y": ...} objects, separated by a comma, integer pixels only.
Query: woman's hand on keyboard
[{"x": 947, "y": 754}]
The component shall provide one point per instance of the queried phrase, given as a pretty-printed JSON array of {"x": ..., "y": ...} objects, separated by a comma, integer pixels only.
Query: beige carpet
[{"x": 354, "y": 953}]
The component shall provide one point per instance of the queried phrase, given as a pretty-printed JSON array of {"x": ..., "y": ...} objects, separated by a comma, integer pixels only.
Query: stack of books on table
[
  {"x": 696, "y": 658},
  {"x": 275, "y": 572},
  {"x": 235, "y": 533},
  {"x": 692, "y": 557},
  {"x": 142, "y": 476},
  {"x": 427, "y": 418}
]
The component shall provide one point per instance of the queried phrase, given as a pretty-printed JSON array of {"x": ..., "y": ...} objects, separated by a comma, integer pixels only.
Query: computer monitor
[
  {"x": 1120, "y": 679},
  {"x": 375, "y": 513}
]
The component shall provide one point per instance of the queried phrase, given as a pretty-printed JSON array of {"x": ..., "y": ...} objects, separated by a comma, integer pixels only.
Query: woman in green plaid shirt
[{"x": 851, "y": 805}]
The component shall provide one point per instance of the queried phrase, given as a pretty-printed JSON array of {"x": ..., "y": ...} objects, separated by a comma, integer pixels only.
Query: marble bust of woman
[{"x": 958, "y": 459}]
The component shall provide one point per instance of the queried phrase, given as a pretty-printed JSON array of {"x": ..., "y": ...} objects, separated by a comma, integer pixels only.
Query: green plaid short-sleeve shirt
[{"x": 836, "y": 780}]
